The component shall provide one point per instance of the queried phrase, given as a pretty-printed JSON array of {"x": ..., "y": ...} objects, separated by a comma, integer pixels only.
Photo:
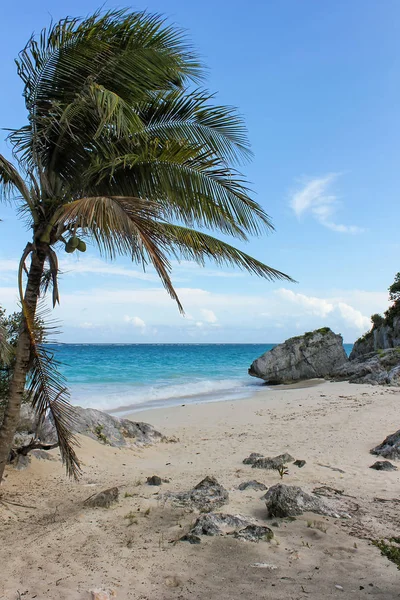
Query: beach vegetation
[
  {"x": 282, "y": 470},
  {"x": 123, "y": 150},
  {"x": 98, "y": 430},
  {"x": 389, "y": 548},
  {"x": 131, "y": 517}
]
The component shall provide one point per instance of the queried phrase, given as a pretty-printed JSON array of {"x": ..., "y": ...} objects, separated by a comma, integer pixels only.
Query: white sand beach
[{"x": 58, "y": 548}]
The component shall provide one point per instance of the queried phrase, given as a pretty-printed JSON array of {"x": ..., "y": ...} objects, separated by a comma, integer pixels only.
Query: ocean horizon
[{"x": 121, "y": 378}]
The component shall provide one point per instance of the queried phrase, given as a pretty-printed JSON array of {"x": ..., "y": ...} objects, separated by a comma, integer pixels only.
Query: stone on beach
[
  {"x": 212, "y": 524},
  {"x": 379, "y": 368},
  {"x": 258, "y": 461},
  {"x": 205, "y": 496},
  {"x": 103, "y": 499},
  {"x": 290, "y": 501},
  {"x": 383, "y": 465},
  {"x": 154, "y": 480},
  {"x": 95, "y": 424},
  {"x": 390, "y": 447},
  {"x": 312, "y": 355},
  {"x": 253, "y": 485}
]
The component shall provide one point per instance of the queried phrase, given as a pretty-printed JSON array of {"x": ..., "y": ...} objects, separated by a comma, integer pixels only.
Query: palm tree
[{"x": 123, "y": 151}]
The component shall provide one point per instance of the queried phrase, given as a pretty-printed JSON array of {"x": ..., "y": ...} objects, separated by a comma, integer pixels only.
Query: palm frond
[
  {"x": 194, "y": 245},
  {"x": 5, "y": 348},
  {"x": 131, "y": 55},
  {"x": 11, "y": 181},
  {"x": 50, "y": 277},
  {"x": 48, "y": 393},
  {"x": 187, "y": 183},
  {"x": 120, "y": 226},
  {"x": 183, "y": 115}
]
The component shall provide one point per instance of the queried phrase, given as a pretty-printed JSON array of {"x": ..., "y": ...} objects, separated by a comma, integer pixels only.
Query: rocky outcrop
[
  {"x": 380, "y": 368},
  {"x": 381, "y": 337},
  {"x": 94, "y": 423},
  {"x": 315, "y": 354}
]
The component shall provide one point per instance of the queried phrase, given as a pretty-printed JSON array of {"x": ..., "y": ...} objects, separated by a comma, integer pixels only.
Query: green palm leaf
[
  {"x": 194, "y": 245},
  {"x": 48, "y": 393}
]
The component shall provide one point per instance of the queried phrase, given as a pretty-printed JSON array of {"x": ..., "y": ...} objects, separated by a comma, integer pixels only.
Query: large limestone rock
[{"x": 314, "y": 354}]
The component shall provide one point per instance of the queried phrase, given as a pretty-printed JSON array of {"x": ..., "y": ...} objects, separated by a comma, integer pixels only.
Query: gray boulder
[
  {"x": 205, "y": 496},
  {"x": 290, "y": 501},
  {"x": 377, "y": 368},
  {"x": 314, "y": 354},
  {"x": 94, "y": 423},
  {"x": 390, "y": 447}
]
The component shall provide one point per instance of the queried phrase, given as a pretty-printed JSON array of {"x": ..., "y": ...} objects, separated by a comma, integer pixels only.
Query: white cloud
[
  {"x": 313, "y": 198},
  {"x": 323, "y": 307},
  {"x": 208, "y": 315},
  {"x": 316, "y": 306},
  {"x": 75, "y": 265},
  {"x": 136, "y": 322},
  {"x": 86, "y": 325}
]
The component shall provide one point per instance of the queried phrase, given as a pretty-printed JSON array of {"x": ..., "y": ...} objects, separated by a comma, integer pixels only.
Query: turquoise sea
[{"x": 125, "y": 377}]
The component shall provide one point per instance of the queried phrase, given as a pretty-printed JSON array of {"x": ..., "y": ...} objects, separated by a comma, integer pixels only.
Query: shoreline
[{"x": 132, "y": 549}]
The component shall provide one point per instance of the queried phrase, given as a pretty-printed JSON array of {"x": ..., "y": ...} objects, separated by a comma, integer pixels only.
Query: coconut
[
  {"x": 74, "y": 241},
  {"x": 69, "y": 249},
  {"x": 81, "y": 246}
]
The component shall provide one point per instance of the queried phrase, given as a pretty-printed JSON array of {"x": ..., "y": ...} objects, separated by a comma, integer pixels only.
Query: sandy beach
[{"x": 58, "y": 548}]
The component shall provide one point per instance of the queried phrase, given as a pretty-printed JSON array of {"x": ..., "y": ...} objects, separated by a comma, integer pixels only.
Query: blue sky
[{"x": 318, "y": 85}]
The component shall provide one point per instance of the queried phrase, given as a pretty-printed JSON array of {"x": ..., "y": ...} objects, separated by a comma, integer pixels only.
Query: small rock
[
  {"x": 253, "y": 485},
  {"x": 103, "y": 499},
  {"x": 215, "y": 524},
  {"x": 252, "y": 458},
  {"x": 154, "y": 480},
  {"x": 173, "y": 581},
  {"x": 254, "y": 533},
  {"x": 264, "y": 566},
  {"x": 383, "y": 465},
  {"x": 205, "y": 496},
  {"x": 299, "y": 463},
  {"x": 273, "y": 463},
  {"x": 191, "y": 538},
  {"x": 338, "y": 587}
]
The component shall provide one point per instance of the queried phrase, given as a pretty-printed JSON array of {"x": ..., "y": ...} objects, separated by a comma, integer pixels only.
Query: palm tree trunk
[{"x": 17, "y": 386}]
